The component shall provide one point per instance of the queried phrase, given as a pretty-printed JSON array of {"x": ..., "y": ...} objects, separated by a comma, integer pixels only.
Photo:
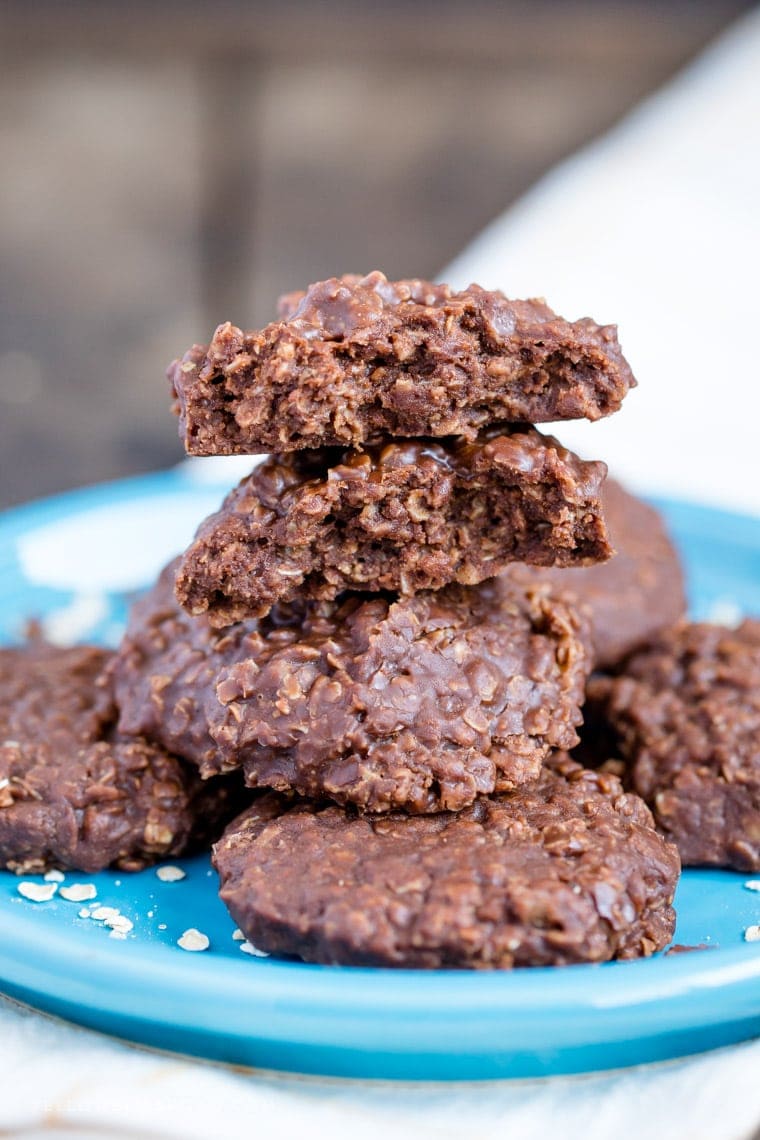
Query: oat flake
[
  {"x": 249, "y": 948},
  {"x": 37, "y": 892},
  {"x": 53, "y": 876},
  {"x": 101, "y": 913},
  {"x": 194, "y": 939},
  {"x": 752, "y": 934},
  {"x": 170, "y": 874},
  {"x": 79, "y": 892},
  {"x": 120, "y": 922},
  {"x": 752, "y": 885}
]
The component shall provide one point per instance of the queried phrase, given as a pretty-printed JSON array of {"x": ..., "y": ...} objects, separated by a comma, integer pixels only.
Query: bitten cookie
[
  {"x": 685, "y": 714},
  {"x": 568, "y": 869},
  {"x": 633, "y": 596},
  {"x": 422, "y": 703},
  {"x": 73, "y": 792},
  {"x": 403, "y": 517},
  {"x": 357, "y": 358}
]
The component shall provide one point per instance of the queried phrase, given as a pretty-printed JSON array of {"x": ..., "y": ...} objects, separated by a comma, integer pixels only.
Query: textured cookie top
[
  {"x": 357, "y": 358},
  {"x": 404, "y": 517},
  {"x": 634, "y": 595},
  {"x": 567, "y": 869},
  {"x": 73, "y": 792},
  {"x": 341, "y": 305},
  {"x": 422, "y": 702},
  {"x": 685, "y": 712}
]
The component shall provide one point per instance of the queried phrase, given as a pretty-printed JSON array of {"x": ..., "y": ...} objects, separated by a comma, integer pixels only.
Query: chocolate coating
[
  {"x": 639, "y": 592},
  {"x": 568, "y": 869},
  {"x": 357, "y": 358},
  {"x": 403, "y": 517},
  {"x": 685, "y": 714},
  {"x": 73, "y": 792},
  {"x": 423, "y": 703}
]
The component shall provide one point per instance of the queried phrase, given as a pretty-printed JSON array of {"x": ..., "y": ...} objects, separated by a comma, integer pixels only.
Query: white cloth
[
  {"x": 61, "y": 1082},
  {"x": 654, "y": 227}
]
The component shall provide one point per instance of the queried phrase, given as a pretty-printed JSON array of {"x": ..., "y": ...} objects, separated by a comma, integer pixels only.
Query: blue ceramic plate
[{"x": 76, "y": 561}]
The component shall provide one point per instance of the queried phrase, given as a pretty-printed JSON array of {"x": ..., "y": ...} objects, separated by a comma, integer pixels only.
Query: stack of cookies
[
  {"x": 388, "y": 628},
  {"x": 339, "y": 630},
  {"x": 376, "y": 630}
]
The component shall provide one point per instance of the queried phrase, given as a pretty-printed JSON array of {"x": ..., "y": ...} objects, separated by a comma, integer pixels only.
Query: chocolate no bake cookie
[
  {"x": 422, "y": 703},
  {"x": 639, "y": 592},
  {"x": 404, "y": 517},
  {"x": 354, "y": 359},
  {"x": 73, "y": 792},
  {"x": 685, "y": 713},
  {"x": 568, "y": 869}
]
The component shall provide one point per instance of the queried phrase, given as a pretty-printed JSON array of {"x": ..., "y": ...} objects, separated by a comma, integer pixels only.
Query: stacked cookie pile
[
  {"x": 339, "y": 631},
  {"x": 375, "y": 630}
]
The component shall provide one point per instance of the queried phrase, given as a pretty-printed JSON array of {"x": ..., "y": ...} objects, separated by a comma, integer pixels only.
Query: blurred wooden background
[{"x": 170, "y": 165}]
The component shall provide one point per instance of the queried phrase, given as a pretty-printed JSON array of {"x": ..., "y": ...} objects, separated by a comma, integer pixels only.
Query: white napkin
[
  {"x": 654, "y": 227},
  {"x": 61, "y": 1082}
]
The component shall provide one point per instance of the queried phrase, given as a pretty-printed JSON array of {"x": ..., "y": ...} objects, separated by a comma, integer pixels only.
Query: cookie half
[
  {"x": 566, "y": 870},
  {"x": 402, "y": 517},
  {"x": 355, "y": 358},
  {"x": 76, "y": 794},
  {"x": 422, "y": 703},
  {"x": 685, "y": 714}
]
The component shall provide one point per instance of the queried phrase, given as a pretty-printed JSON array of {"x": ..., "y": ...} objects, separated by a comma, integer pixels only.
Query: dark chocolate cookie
[
  {"x": 73, "y": 792},
  {"x": 568, "y": 869},
  {"x": 403, "y": 517},
  {"x": 633, "y": 596},
  {"x": 422, "y": 703},
  {"x": 685, "y": 714},
  {"x": 358, "y": 358}
]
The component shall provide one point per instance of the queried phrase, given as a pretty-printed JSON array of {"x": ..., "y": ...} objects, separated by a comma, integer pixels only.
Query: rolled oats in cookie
[
  {"x": 684, "y": 712},
  {"x": 422, "y": 703},
  {"x": 355, "y": 358},
  {"x": 634, "y": 595},
  {"x": 404, "y": 517},
  {"x": 73, "y": 792},
  {"x": 565, "y": 870}
]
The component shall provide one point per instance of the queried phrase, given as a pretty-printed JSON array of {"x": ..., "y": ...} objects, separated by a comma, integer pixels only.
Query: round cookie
[
  {"x": 568, "y": 869},
  {"x": 75, "y": 794},
  {"x": 685, "y": 714},
  {"x": 422, "y": 703},
  {"x": 634, "y": 595}
]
